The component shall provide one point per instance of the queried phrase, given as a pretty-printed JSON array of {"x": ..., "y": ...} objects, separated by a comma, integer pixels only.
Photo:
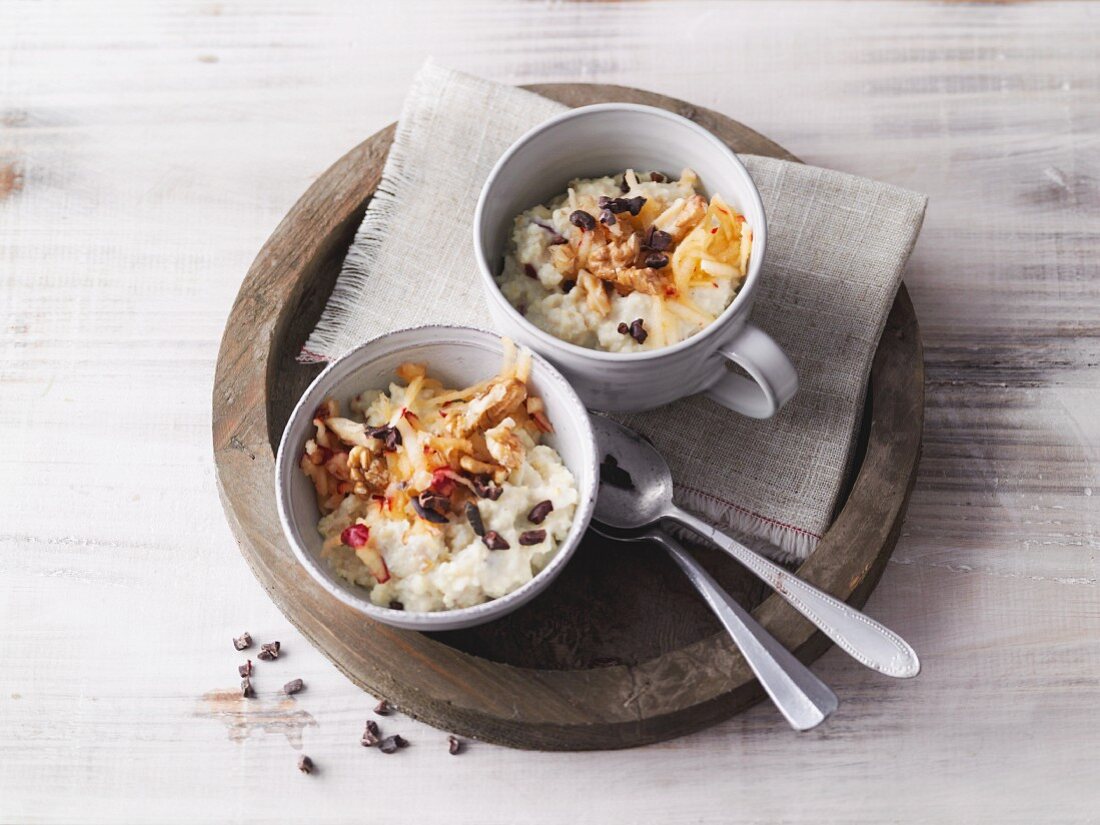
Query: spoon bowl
[{"x": 635, "y": 480}]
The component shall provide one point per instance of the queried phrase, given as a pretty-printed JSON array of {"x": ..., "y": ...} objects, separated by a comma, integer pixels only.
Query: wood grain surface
[
  {"x": 618, "y": 652},
  {"x": 147, "y": 150}
]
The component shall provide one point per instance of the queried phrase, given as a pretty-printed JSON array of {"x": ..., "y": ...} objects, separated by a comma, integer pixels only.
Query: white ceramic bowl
[
  {"x": 458, "y": 357},
  {"x": 592, "y": 141}
]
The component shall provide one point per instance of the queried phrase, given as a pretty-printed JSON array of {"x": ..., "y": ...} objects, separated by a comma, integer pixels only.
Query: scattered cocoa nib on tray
[
  {"x": 269, "y": 651},
  {"x": 391, "y": 743},
  {"x": 305, "y": 764},
  {"x": 293, "y": 686},
  {"x": 246, "y": 688},
  {"x": 383, "y": 708},
  {"x": 372, "y": 735},
  {"x": 245, "y": 669},
  {"x": 454, "y": 745},
  {"x": 243, "y": 642}
]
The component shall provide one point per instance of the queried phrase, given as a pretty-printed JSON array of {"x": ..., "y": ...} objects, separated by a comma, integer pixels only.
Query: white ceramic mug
[{"x": 593, "y": 141}]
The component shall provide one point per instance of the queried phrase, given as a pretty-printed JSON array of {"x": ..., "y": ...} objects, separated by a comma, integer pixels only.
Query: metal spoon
[
  {"x": 803, "y": 699},
  {"x": 636, "y": 491}
]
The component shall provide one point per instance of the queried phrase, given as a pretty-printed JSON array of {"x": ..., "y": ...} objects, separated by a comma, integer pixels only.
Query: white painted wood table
[{"x": 147, "y": 150}]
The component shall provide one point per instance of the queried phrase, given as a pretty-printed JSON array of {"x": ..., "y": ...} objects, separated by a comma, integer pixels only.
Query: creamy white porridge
[
  {"x": 435, "y": 499},
  {"x": 627, "y": 262}
]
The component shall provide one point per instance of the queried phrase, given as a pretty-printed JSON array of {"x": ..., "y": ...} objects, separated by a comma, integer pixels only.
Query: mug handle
[{"x": 774, "y": 379}]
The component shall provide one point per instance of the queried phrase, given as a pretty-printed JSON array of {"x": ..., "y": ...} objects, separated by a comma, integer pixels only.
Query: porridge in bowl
[
  {"x": 434, "y": 498},
  {"x": 626, "y": 263}
]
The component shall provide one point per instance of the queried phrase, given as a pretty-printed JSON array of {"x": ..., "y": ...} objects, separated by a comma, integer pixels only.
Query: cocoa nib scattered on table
[
  {"x": 293, "y": 686},
  {"x": 269, "y": 651},
  {"x": 245, "y": 669},
  {"x": 243, "y": 642},
  {"x": 495, "y": 541},
  {"x": 532, "y": 537},
  {"x": 305, "y": 764},
  {"x": 246, "y": 688},
  {"x": 383, "y": 708},
  {"x": 372, "y": 735},
  {"x": 582, "y": 220},
  {"x": 540, "y": 511},
  {"x": 391, "y": 743},
  {"x": 454, "y": 745}
]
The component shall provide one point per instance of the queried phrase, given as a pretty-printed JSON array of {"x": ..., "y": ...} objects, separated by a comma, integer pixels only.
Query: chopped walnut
[{"x": 369, "y": 472}]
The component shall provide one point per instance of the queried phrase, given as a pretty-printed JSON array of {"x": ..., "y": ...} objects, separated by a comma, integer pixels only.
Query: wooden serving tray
[{"x": 619, "y": 651}]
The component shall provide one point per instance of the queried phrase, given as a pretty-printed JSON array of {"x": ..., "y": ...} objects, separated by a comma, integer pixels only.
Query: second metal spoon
[
  {"x": 803, "y": 699},
  {"x": 636, "y": 493}
]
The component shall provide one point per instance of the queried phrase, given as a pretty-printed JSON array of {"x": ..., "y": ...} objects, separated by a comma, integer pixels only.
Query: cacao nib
[
  {"x": 388, "y": 435},
  {"x": 530, "y": 272},
  {"x": 245, "y": 670},
  {"x": 305, "y": 764},
  {"x": 656, "y": 240},
  {"x": 293, "y": 686},
  {"x": 530, "y": 537},
  {"x": 607, "y": 218},
  {"x": 484, "y": 487},
  {"x": 637, "y": 330},
  {"x": 391, "y": 743},
  {"x": 540, "y": 511},
  {"x": 269, "y": 651},
  {"x": 495, "y": 541},
  {"x": 656, "y": 177},
  {"x": 372, "y": 735},
  {"x": 617, "y": 205},
  {"x": 383, "y": 708},
  {"x": 582, "y": 220},
  {"x": 426, "y": 505},
  {"x": 473, "y": 515},
  {"x": 454, "y": 745},
  {"x": 246, "y": 688},
  {"x": 656, "y": 260},
  {"x": 396, "y": 605},
  {"x": 243, "y": 642}
]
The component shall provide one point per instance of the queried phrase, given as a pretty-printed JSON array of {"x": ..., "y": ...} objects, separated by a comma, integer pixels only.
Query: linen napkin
[{"x": 837, "y": 245}]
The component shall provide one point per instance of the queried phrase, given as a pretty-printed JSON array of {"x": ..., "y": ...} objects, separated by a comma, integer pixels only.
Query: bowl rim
[
  {"x": 464, "y": 616},
  {"x": 741, "y": 301}
]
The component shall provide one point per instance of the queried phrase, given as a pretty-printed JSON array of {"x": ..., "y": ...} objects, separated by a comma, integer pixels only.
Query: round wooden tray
[{"x": 619, "y": 651}]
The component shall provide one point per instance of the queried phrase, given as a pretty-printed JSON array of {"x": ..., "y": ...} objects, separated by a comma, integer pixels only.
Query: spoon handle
[
  {"x": 803, "y": 699},
  {"x": 861, "y": 637}
]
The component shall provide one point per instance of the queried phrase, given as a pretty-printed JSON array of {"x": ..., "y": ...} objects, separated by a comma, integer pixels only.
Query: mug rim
[
  {"x": 459, "y": 617},
  {"x": 721, "y": 324}
]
